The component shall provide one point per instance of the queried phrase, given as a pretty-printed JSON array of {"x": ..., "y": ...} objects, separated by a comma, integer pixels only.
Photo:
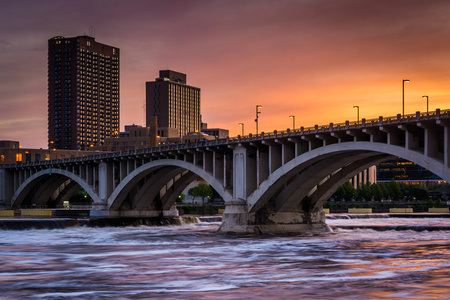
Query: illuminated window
[
  {"x": 19, "y": 157},
  {"x": 2, "y": 158}
]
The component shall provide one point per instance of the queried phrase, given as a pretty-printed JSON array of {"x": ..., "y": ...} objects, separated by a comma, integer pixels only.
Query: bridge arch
[
  {"x": 25, "y": 188},
  {"x": 171, "y": 167},
  {"x": 317, "y": 166}
]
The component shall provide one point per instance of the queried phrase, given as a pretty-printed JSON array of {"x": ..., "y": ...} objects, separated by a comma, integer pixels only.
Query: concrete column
[
  {"x": 288, "y": 152},
  {"x": 16, "y": 180},
  {"x": 239, "y": 173},
  {"x": 235, "y": 217},
  {"x": 208, "y": 161},
  {"x": 123, "y": 170},
  {"x": 274, "y": 157},
  {"x": 228, "y": 171},
  {"x": 218, "y": 165},
  {"x": 6, "y": 188},
  {"x": 244, "y": 172},
  {"x": 447, "y": 146},
  {"x": 130, "y": 166},
  {"x": 411, "y": 142},
  {"x": 431, "y": 142},
  {"x": 262, "y": 165},
  {"x": 105, "y": 181},
  {"x": 90, "y": 175},
  {"x": 113, "y": 175}
]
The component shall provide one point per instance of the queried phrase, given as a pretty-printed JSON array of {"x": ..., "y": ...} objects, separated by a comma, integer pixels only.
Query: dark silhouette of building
[
  {"x": 402, "y": 170},
  {"x": 176, "y": 104},
  {"x": 83, "y": 92}
]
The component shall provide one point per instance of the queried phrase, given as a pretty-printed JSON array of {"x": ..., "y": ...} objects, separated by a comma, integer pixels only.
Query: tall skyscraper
[
  {"x": 83, "y": 92},
  {"x": 176, "y": 104}
]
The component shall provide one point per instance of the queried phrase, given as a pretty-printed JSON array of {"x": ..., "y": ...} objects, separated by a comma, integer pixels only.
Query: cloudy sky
[{"x": 314, "y": 59}]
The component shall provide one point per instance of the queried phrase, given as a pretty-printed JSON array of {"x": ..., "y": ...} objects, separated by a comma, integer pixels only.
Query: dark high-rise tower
[
  {"x": 176, "y": 104},
  {"x": 83, "y": 92}
]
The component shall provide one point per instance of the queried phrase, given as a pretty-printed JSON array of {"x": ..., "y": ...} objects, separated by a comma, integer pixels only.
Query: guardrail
[{"x": 217, "y": 142}]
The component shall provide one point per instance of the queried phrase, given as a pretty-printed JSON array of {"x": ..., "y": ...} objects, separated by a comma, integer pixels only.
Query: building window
[{"x": 2, "y": 158}]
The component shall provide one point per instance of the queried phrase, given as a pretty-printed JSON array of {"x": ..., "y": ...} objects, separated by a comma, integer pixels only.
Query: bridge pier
[{"x": 237, "y": 220}]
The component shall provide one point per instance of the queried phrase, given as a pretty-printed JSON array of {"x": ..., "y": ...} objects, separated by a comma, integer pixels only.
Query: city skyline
[{"x": 313, "y": 60}]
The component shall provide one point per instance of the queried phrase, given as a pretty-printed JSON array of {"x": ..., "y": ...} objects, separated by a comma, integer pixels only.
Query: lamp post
[
  {"x": 242, "y": 124},
  {"x": 50, "y": 150},
  {"x": 256, "y": 120},
  {"x": 403, "y": 96},
  {"x": 427, "y": 102},
  {"x": 357, "y": 112},
  {"x": 293, "y": 122}
]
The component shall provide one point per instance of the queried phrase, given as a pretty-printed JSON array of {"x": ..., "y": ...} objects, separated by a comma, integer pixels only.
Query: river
[{"x": 194, "y": 261}]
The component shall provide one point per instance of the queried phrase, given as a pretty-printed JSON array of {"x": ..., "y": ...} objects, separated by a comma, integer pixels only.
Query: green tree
[
  {"x": 181, "y": 198},
  {"x": 419, "y": 193},
  {"x": 394, "y": 190},
  {"x": 350, "y": 191},
  {"x": 80, "y": 196},
  {"x": 364, "y": 191},
  {"x": 201, "y": 190},
  {"x": 376, "y": 192}
]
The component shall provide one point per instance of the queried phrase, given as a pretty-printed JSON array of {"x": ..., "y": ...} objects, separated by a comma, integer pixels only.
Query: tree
[
  {"x": 394, "y": 190},
  {"x": 419, "y": 193},
  {"x": 364, "y": 191},
  {"x": 349, "y": 190},
  {"x": 201, "y": 190},
  {"x": 181, "y": 198}
]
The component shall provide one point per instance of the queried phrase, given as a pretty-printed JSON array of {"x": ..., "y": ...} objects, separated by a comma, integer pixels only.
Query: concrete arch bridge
[{"x": 272, "y": 182}]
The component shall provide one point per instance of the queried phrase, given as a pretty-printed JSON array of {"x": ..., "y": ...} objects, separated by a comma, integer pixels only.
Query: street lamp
[
  {"x": 403, "y": 96},
  {"x": 293, "y": 122},
  {"x": 427, "y": 102},
  {"x": 256, "y": 120},
  {"x": 242, "y": 124},
  {"x": 357, "y": 112},
  {"x": 49, "y": 150}
]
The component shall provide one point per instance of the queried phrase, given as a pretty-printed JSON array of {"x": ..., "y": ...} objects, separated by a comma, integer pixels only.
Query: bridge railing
[
  {"x": 250, "y": 137},
  {"x": 345, "y": 125}
]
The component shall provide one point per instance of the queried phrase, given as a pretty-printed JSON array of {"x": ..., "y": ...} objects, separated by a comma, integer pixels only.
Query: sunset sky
[{"x": 314, "y": 59}]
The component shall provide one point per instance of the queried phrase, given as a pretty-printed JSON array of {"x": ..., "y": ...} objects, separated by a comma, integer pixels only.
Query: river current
[{"x": 194, "y": 261}]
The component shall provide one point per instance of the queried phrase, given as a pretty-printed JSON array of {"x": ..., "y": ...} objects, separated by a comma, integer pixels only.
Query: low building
[
  {"x": 134, "y": 137},
  {"x": 12, "y": 152},
  {"x": 197, "y": 137},
  {"x": 218, "y": 133}
]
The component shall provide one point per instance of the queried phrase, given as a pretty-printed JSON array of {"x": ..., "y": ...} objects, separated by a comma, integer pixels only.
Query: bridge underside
[{"x": 293, "y": 203}]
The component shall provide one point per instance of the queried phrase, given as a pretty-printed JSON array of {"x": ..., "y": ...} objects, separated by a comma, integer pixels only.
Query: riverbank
[{"x": 60, "y": 223}]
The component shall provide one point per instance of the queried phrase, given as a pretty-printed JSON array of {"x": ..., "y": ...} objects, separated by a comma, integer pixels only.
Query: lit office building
[
  {"x": 173, "y": 102},
  {"x": 83, "y": 92}
]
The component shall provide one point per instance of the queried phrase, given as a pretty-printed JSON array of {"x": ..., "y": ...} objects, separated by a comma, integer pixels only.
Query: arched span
[
  {"x": 28, "y": 184},
  {"x": 138, "y": 173},
  {"x": 331, "y": 152}
]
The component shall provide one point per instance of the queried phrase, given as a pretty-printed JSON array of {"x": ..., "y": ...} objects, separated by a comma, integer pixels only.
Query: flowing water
[{"x": 193, "y": 261}]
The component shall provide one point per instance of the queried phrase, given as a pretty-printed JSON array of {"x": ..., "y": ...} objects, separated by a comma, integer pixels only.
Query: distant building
[
  {"x": 217, "y": 133},
  {"x": 367, "y": 176},
  {"x": 134, "y": 137},
  {"x": 83, "y": 92},
  {"x": 12, "y": 152},
  {"x": 176, "y": 104},
  {"x": 402, "y": 170}
]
